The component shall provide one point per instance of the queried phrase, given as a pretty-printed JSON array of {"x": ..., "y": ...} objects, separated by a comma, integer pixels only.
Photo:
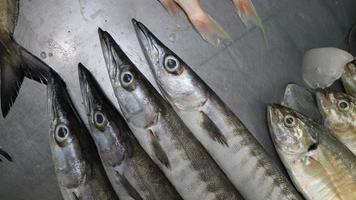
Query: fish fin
[
  {"x": 248, "y": 14},
  {"x": 171, "y": 6},
  {"x": 6, "y": 155},
  {"x": 128, "y": 187},
  {"x": 158, "y": 150},
  {"x": 75, "y": 196},
  {"x": 213, "y": 131},
  {"x": 210, "y": 30}
]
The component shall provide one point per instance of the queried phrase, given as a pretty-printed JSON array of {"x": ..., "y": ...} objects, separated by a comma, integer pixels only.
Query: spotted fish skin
[
  {"x": 320, "y": 166},
  {"x": 77, "y": 165},
  {"x": 161, "y": 133},
  {"x": 227, "y": 140},
  {"x": 132, "y": 172},
  {"x": 339, "y": 113}
]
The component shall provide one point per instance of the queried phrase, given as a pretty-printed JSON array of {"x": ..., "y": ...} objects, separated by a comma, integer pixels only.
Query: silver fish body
[
  {"x": 349, "y": 79},
  {"x": 339, "y": 114},
  {"x": 77, "y": 165},
  {"x": 321, "y": 167},
  {"x": 227, "y": 140},
  {"x": 161, "y": 133},
  {"x": 132, "y": 172},
  {"x": 15, "y": 61}
]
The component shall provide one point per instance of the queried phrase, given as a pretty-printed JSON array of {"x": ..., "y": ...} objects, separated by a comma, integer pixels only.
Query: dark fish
[
  {"x": 78, "y": 167},
  {"x": 218, "y": 129},
  {"x": 15, "y": 61},
  {"x": 161, "y": 133},
  {"x": 132, "y": 172}
]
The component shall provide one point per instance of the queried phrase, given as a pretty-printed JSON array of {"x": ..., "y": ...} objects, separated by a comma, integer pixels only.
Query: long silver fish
[
  {"x": 320, "y": 166},
  {"x": 15, "y": 61},
  {"x": 161, "y": 133},
  {"x": 227, "y": 140},
  {"x": 349, "y": 79},
  {"x": 77, "y": 164},
  {"x": 339, "y": 113},
  {"x": 132, "y": 172}
]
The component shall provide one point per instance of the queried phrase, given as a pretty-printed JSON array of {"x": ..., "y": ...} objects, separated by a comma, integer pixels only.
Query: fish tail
[
  {"x": 210, "y": 30},
  {"x": 171, "y": 6},
  {"x": 5, "y": 155},
  {"x": 16, "y": 63}
]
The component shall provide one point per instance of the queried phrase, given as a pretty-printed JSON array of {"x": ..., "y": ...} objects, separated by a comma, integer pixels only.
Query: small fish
[
  {"x": 128, "y": 166},
  {"x": 207, "y": 27},
  {"x": 349, "y": 79},
  {"x": 339, "y": 113},
  {"x": 78, "y": 167},
  {"x": 15, "y": 61},
  {"x": 5, "y": 155},
  {"x": 222, "y": 134},
  {"x": 320, "y": 166},
  {"x": 248, "y": 14},
  {"x": 161, "y": 133}
]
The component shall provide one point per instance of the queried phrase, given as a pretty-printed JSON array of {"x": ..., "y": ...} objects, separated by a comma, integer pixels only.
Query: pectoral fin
[
  {"x": 213, "y": 131},
  {"x": 128, "y": 187},
  {"x": 158, "y": 150}
]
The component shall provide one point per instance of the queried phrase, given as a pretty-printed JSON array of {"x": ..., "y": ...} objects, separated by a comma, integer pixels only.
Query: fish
[
  {"x": 339, "y": 113},
  {"x": 78, "y": 167},
  {"x": 161, "y": 133},
  {"x": 228, "y": 141},
  {"x": 248, "y": 14},
  {"x": 5, "y": 155},
  {"x": 320, "y": 166},
  {"x": 131, "y": 169},
  {"x": 349, "y": 79},
  {"x": 15, "y": 61},
  {"x": 210, "y": 30}
]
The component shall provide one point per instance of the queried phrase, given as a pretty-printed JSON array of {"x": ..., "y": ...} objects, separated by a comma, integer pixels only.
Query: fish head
[
  {"x": 349, "y": 78},
  {"x": 338, "y": 110},
  {"x": 178, "y": 83},
  {"x": 132, "y": 89},
  {"x": 65, "y": 131},
  {"x": 293, "y": 134},
  {"x": 108, "y": 128}
]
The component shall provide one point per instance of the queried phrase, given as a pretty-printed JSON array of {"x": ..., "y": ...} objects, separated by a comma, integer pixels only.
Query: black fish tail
[
  {"x": 6, "y": 155},
  {"x": 16, "y": 63}
]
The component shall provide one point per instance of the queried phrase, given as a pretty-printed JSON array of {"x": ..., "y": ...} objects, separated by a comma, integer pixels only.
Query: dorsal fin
[{"x": 214, "y": 132}]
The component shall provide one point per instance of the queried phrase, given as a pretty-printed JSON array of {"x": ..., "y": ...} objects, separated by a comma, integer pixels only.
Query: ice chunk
[
  {"x": 302, "y": 100},
  {"x": 323, "y": 66}
]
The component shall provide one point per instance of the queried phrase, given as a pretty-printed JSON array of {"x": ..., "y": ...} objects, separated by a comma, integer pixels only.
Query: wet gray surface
[{"x": 247, "y": 74}]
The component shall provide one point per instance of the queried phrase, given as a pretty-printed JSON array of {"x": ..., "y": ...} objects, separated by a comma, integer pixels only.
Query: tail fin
[
  {"x": 248, "y": 14},
  {"x": 16, "y": 63},
  {"x": 171, "y": 6},
  {"x": 210, "y": 30}
]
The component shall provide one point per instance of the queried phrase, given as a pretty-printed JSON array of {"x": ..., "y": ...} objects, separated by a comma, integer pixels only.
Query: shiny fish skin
[
  {"x": 232, "y": 146},
  {"x": 161, "y": 133},
  {"x": 132, "y": 172},
  {"x": 349, "y": 79},
  {"x": 77, "y": 165},
  {"x": 341, "y": 121},
  {"x": 321, "y": 167},
  {"x": 15, "y": 61}
]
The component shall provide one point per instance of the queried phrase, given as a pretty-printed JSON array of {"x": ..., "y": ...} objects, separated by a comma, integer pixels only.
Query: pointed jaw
[
  {"x": 87, "y": 87},
  {"x": 57, "y": 96}
]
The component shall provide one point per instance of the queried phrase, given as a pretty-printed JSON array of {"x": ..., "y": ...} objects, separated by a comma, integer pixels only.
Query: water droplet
[
  {"x": 172, "y": 37},
  {"x": 50, "y": 54},
  {"x": 43, "y": 55}
]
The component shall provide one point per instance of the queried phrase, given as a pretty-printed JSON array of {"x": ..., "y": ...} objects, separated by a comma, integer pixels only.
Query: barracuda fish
[
  {"x": 232, "y": 146},
  {"x": 320, "y": 166},
  {"x": 132, "y": 172},
  {"x": 5, "y": 155},
  {"x": 15, "y": 61},
  {"x": 339, "y": 113},
  {"x": 77, "y": 165},
  {"x": 161, "y": 133},
  {"x": 208, "y": 28},
  {"x": 349, "y": 79}
]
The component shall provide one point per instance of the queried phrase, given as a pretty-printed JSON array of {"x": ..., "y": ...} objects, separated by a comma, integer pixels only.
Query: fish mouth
[
  {"x": 85, "y": 80},
  {"x": 321, "y": 100},
  {"x": 54, "y": 85},
  {"x": 114, "y": 56},
  {"x": 273, "y": 111}
]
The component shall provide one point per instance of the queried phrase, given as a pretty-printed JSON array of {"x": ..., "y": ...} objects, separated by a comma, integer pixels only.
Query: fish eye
[
  {"x": 99, "y": 119},
  {"x": 289, "y": 121},
  {"x": 343, "y": 105},
  {"x": 127, "y": 79},
  {"x": 61, "y": 133},
  {"x": 171, "y": 64}
]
